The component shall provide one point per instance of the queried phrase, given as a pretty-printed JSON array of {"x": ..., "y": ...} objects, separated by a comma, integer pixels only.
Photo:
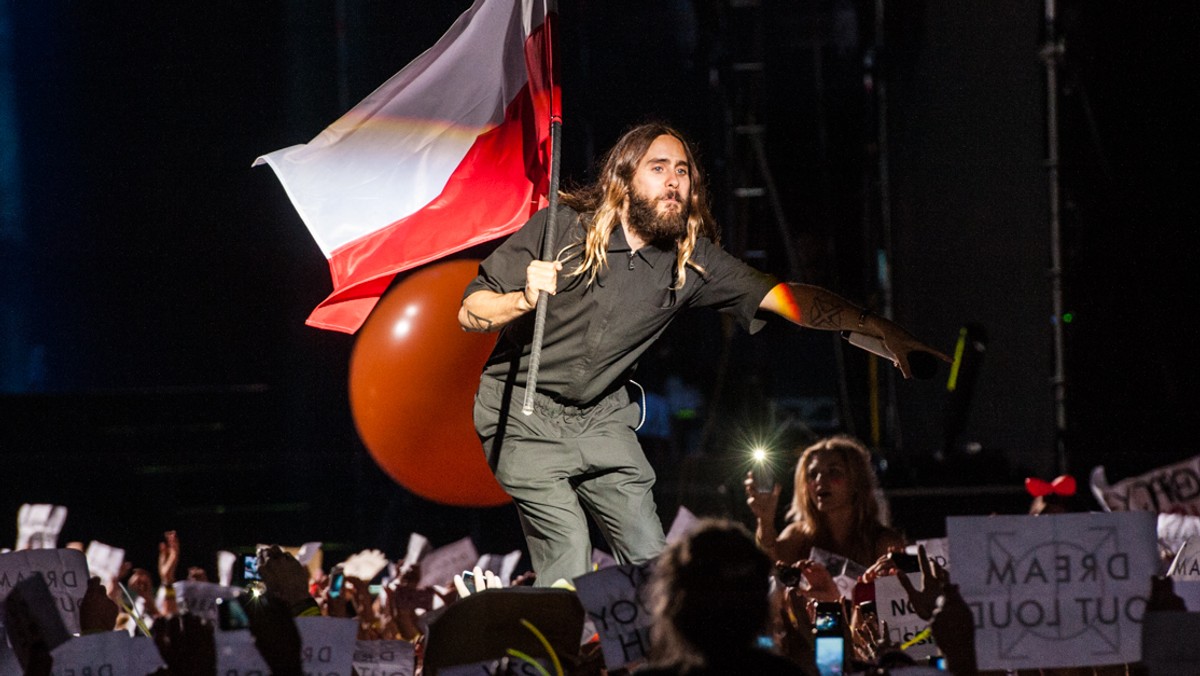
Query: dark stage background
[{"x": 155, "y": 371}]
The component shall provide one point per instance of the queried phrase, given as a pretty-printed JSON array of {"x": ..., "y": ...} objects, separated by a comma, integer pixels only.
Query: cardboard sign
[
  {"x": 614, "y": 599},
  {"x": 65, "y": 572},
  {"x": 327, "y": 644},
  {"x": 237, "y": 655},
  {"x": 442, "y": 564},
  {"x": 200, "y": 598},
  {"x": 1065, "y": 590},
  {"x": 891, "y": 603},
  {"x": 684, "y": 521},
  {"x": 111, "y": 653},
  {"x": 384, "y": 658},
  {"x": 1170, "y": 489},
  {"x": 1169, "y": 645},
  {"x": 38, "y": 526}
]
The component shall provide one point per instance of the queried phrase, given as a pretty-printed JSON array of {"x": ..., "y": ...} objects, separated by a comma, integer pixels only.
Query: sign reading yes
[{"x": 1065, "y": 590}]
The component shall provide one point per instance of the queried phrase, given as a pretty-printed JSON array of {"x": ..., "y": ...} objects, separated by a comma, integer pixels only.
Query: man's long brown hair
[{"x": 608, "y": 198}]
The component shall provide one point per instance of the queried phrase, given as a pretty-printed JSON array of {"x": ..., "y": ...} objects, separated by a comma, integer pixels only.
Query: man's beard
[{"x": 646, "y": 222}]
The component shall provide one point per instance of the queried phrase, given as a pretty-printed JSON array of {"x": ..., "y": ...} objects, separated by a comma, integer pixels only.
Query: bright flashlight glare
[{"x": 759, "y": 454}]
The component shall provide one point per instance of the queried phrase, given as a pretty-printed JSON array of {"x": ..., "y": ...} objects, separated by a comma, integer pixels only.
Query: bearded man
[{"x": 634, "y": 249}]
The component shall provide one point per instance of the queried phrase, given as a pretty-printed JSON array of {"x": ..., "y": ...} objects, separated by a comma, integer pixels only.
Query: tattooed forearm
[
  {"x": 824, "y": 313},
  {"x": 477, "y": 323}
]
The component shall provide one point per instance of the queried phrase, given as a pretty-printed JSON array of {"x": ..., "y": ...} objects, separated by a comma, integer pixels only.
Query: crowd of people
[{"x": 724, "y": 600}]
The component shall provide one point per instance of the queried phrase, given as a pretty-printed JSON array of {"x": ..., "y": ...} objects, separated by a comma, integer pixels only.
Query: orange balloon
[{"x": 413, "y": 376}]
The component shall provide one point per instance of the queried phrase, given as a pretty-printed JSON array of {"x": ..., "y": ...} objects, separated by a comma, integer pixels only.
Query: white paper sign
[
  {"x": 365, "y": 565},
  {"x": 1064, "y": 590},
  {"x": 936, "y": 549},
  {"x": 237, "y": 655},
  {"x": 1169, "y": 645},
  {"x": 111, "y": 653},
  {"x": 502, "y": 566},
  {"x": 384, "y": 658},
  {"x": 442, "y": 564},
  {"x": 65, "y": 572},
  {"x": 327, "y": 644},
  {"x": 891, "y": 603},
  {"x": 684, "y": 520},
  {"x": 1186, "y": 565},
  {"x": 615, "y": 601},
  {"x": 1175, "y": 529},
  {"x": 200, "y": 598},
  {"x": 1170, "y": 489},
  {"x": 104, "y": 561},
  {"x": 418, "y": 547},
  {"x": 602, "y": 559},
  {"x": 38, "y": 526},
  {"x": 844, "y": 572}
]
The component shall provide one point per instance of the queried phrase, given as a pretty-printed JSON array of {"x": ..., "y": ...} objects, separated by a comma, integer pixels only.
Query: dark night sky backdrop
[{"x": 151, "y": 278}]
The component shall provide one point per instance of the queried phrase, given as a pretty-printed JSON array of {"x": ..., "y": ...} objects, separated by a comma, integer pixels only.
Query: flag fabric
[{"x": 452, "y": 151}]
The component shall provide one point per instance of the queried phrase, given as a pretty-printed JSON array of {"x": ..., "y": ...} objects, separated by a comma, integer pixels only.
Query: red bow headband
[{"x": 1063, "y": 485}]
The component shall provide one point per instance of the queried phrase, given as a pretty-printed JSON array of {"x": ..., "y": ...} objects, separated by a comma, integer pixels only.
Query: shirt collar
[{"x": 651, "y": 253}]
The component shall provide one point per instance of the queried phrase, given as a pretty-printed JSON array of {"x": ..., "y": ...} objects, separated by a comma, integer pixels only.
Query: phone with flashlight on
[{"x": 761, "y": 471}]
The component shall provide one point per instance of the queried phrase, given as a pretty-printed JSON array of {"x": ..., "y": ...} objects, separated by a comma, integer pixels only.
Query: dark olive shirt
[{"x": 596, "y": 332}]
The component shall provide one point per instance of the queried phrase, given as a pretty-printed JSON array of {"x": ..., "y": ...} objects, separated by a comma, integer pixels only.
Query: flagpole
[{"x": 539, "y": 320}]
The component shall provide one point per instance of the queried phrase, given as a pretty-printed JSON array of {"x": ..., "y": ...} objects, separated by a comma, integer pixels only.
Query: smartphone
[
  {"x": 830, "y": 641},
  {"x": 231, "y": 615},
  {"x": 764, "y": 478},
  {"x": 907, "y": 563},
  {"x": 250, "y": 567},
  {"x": 337, "y": 582},
  {"x": 468, "y": 579}
]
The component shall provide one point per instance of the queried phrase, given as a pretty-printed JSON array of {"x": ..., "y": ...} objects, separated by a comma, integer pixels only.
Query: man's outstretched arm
[{"x": 816, "y": 308}]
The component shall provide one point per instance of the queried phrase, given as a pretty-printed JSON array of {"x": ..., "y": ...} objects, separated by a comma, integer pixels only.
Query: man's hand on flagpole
[
  {"x": 540, "y": 276},
  {"x": 485, "y": 311}
]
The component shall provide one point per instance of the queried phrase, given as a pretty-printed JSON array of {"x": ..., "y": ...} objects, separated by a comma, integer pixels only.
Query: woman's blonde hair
[
  {"x": 861, "y": 485},
  {"x": 608, "y": 197}
]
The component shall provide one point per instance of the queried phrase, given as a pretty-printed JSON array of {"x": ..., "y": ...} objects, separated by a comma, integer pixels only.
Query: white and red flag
[{"x": 452, "y": 151}]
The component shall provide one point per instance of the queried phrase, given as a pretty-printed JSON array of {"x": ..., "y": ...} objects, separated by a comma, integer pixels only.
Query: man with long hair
[{"x": 633, "y": 249}]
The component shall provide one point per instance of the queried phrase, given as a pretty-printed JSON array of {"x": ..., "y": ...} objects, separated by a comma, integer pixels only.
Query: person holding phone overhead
[
  {"x": 631, "y": 250},
  {"x": 834, "y": 507}
]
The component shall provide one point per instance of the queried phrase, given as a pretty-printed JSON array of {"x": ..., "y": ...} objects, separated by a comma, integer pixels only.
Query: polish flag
[{"x": 452, "y": 151}]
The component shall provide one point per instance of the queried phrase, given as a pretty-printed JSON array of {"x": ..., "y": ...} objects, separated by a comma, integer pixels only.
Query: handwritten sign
[
  {"x": 614, "y": 599},
  {"x": 327, "y": 644},
  {"x": 65, "y": 572},
  {"x": 111, "y": 653},
  {"x": 893, "y": 607},
  {"x": 1170, "y": 489},
  {"x": 104, "y": 561},
  {"x": 1066, "y": 590},
  {"x": 937, "y": 549},
  {"x": 442, "y": 564},
  {"x": 200, "y": 598},
  {"x": 237, "y": 655},
  {"x": 384, "y": 658}
]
